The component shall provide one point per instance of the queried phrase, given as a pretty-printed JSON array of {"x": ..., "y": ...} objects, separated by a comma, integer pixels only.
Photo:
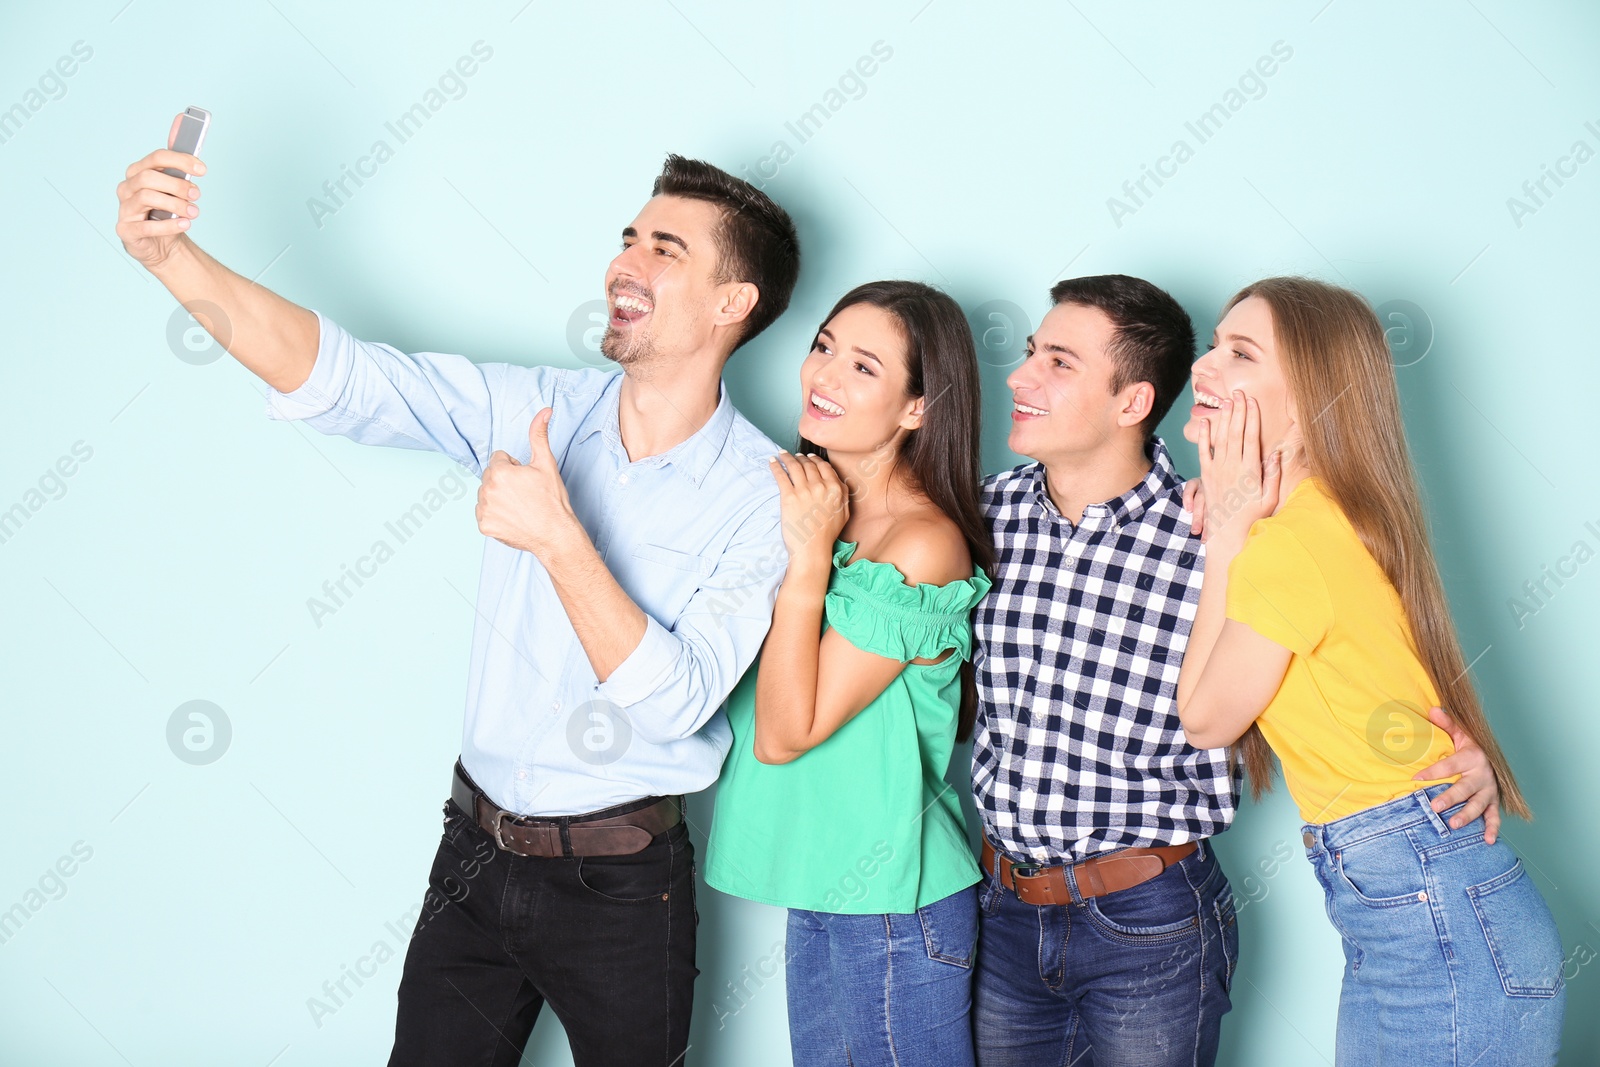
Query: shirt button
[
  {"x": 622, "y": 479},
  {"x": 556, "y": 706},
  {"x": 522, "y": 774}
]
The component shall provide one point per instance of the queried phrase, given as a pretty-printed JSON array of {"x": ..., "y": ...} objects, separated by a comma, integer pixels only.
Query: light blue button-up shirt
[{"x": 692, "y": 535}]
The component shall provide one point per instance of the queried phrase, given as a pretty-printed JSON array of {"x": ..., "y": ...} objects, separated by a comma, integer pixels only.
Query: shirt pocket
[
  {"x": 672, "y": 557},
  {"x": 663, "y": 580}
]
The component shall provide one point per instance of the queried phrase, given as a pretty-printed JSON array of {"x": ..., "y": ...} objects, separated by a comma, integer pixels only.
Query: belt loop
[
  {"x": 1071, "y": 872},
  {"x": 564, "y": 824},
  {"x": 1439, "y": 825}
]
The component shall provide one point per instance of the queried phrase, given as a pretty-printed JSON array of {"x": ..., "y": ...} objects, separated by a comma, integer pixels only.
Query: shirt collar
[
  {"x": 1130, "y": 506},
  {"x": 692, "y": 456}
]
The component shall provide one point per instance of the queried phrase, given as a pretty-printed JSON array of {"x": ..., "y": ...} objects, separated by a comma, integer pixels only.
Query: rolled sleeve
[
  {"x": 646, "y": 668},
  {"x": 319, "y": 392},
  {"x": 675, "y": 680}
]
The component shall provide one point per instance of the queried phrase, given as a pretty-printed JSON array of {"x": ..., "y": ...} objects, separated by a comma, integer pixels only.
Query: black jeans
[{"x": 607, "y": 941}]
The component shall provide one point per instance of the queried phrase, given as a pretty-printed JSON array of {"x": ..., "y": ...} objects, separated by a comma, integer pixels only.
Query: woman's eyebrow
[{"x": 824, "y": 332}]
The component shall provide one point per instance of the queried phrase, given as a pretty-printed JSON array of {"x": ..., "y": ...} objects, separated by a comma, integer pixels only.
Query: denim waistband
[{"x": 1398, "y": 814}]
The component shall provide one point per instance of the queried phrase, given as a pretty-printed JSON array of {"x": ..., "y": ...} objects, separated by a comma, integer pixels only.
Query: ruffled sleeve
[{"x": 870, "y": 604}]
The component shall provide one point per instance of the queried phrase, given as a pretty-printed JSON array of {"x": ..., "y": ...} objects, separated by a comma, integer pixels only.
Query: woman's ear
[{"x": 912, "y": 419}]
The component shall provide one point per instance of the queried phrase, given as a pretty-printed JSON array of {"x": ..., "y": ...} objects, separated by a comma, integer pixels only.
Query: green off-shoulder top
[{"x": 864, "y": 823}]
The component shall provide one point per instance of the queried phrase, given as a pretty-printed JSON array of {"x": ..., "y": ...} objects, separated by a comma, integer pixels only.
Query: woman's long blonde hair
[{"x": 1339, "y": 371}]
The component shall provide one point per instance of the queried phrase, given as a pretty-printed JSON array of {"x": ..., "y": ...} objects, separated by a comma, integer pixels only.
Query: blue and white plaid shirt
[{"x": 1078, "y": 748}]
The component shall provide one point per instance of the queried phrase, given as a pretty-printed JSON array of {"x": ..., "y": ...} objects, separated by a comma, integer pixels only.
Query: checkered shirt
[{"x": 1078, "y": 749}]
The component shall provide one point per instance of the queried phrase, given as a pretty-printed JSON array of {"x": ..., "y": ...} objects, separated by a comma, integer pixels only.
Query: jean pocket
[
  {"x": 1522, "y": 936},
  {"x": 632, "y": 879},
  {"x": 950, "y": 928},
  {"x": 1382, "y": 873},
  {"x": 1161, "y": 909}
]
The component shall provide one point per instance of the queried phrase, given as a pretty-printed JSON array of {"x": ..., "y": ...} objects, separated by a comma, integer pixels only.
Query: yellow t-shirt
[{"x": 1350, "y": 721}]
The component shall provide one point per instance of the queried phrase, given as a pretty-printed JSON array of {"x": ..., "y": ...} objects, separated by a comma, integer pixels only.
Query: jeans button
[{"x": 1309, "y": 838}]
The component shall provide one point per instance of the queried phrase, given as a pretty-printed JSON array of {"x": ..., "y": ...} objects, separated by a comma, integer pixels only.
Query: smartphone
[{"x": 191, "y": 135}]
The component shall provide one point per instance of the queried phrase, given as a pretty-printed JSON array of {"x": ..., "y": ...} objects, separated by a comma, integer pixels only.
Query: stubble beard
[{"x": 632, "y": 354}]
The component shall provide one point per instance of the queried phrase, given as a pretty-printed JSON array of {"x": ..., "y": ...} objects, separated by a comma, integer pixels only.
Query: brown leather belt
[
  {"x": 600, "y": 833},
  {"x": 1097, "y": 876}
]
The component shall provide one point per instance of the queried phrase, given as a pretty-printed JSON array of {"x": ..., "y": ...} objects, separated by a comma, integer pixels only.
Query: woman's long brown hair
[
  {"x": 1340, "y": 373},
  {"x": 943, "y": 456}
]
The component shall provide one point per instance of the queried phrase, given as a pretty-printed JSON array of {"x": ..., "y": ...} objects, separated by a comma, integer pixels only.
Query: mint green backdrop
[{"x": 166, "y": 910}]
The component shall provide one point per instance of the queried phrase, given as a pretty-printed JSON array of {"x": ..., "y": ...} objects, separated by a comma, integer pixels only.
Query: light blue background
[{"x": 177, "y": 562}]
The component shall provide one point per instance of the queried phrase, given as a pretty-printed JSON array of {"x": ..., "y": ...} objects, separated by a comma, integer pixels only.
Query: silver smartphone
[{"x": 191, "y": 135}]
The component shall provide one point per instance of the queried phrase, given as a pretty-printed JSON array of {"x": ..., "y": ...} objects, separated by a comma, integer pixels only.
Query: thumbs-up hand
[{"x": 525, "y": 505}]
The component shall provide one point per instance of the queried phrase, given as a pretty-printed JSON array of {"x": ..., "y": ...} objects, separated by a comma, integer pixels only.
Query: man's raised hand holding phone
[{"x": 275, "y": 339}]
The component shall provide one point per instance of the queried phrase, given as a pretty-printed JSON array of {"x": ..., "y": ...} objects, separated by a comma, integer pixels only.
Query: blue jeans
[
  {"x": 1451, "y": 956},
  {"x": 1139, "y": 977},
  {"x": 871, "y": 990}
]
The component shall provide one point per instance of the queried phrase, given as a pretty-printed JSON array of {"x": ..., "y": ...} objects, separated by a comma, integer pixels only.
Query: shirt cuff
[
  {"x": 645, "y": 669},
  {"x": 319, "y": 392}
]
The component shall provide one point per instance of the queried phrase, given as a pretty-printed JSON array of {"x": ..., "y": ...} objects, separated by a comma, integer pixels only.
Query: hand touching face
[{"x": 1243, "y": 358}]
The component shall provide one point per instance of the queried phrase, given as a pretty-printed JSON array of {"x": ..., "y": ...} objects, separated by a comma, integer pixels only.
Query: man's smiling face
[
  {"x": 662, "y": 290},
  {"x": 1062, "y": 401}
]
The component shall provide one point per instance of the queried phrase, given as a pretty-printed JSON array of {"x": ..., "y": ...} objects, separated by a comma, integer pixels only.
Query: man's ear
[
  {"x": 739, "y": 299},
  {"x": 1138, "y": 402}
]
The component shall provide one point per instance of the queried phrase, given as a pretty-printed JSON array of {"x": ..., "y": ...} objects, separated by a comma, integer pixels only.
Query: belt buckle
[{"x": 500, "y": 815}]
